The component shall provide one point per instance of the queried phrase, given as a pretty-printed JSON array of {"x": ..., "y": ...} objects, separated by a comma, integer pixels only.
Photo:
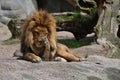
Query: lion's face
[{"x": 40, "y": 36}]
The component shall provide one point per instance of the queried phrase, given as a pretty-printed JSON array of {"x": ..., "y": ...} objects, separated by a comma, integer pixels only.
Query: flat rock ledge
[{"x": 95, "y": 68}]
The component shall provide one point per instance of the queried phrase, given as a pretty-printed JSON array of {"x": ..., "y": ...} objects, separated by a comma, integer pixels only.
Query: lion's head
[
  {"x": 40, "y": 36},
  {"x": 38, "y": 29}
]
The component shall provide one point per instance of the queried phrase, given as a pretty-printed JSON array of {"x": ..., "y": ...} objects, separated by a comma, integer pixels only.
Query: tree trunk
[
  {"x": 108, "y": 28},
  {"x": 14, "y": 27}
]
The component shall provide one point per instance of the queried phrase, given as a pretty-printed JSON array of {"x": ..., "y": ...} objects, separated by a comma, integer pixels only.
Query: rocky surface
[{"x": 95, "y": 68}]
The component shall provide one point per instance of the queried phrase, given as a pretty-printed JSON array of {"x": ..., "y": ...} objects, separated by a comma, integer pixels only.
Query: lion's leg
[
  {"x": 52, "y": 41},
  {"x": 31, "y": 57},
  {"x": 52, "y": 49},
  {"x": 47, "y": 54},
  {"x": 65, "y": 53}
]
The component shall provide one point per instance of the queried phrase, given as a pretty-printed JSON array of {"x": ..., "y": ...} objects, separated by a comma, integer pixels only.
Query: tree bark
[
  {"x": 108, "y": 28},
  {"x": 14, "y": 27}
]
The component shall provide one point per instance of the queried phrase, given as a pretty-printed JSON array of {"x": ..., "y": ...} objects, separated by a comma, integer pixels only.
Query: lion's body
[{"x": 38, "y": 39}]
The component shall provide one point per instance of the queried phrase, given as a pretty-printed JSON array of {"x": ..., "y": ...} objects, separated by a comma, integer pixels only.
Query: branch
[{"x": 62, "y": 14}]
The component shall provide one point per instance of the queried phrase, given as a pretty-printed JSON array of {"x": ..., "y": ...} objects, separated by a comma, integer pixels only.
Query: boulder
[{"x": 15, "y": 9}]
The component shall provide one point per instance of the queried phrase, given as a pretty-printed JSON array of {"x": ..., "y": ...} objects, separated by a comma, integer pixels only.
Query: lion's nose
[{"x": 41, "y": 41}]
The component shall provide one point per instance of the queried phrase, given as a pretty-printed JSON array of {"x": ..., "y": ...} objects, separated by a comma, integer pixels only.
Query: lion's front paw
[
  {"x": 32, "y": 57},
  {"x": 36, "y": 59}
]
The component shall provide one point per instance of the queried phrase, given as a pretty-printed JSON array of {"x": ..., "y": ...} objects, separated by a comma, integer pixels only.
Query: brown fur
[{"x": 38, "y": 39}]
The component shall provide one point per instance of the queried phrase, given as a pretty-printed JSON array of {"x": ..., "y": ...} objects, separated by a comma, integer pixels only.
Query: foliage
[
  {"x": 63, "y": 18},
  {"x": 116, "y": 54},
  {"x": 78, "y": 16},
  {"x": 73, "y": 43},
  {"x": 11, "y": 41}
]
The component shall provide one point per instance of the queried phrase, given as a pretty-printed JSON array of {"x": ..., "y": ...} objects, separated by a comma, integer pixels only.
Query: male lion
[{"x": 38, "y": 39}]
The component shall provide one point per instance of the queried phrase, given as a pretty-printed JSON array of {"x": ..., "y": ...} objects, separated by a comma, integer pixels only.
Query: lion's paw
[
  {"x": 32, "y": 57},
  {"x": 82, "y": 59},
  {"x": 36, "y": 59},
  {"x": 60, "y": 59}
]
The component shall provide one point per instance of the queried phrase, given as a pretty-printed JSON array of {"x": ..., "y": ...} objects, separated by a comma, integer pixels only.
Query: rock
[
  {"x": 64, "y": 35},
  {"x": 95, "y": 68},
  {"x": 4, "y": 32},
  {"x": 10, "y": 9}
]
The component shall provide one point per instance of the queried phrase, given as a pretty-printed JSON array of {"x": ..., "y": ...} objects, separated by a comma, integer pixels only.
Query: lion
[{"x": 38, "y": 39}]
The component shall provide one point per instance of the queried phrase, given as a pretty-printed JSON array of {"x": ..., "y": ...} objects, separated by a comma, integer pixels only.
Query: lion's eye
[
  {"x": 36, "y": 33},
  {"x": 46, "y": 33}
]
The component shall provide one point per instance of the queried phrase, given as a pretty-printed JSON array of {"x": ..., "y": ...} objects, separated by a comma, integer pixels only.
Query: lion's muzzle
[{"x": 43, "y": 41}]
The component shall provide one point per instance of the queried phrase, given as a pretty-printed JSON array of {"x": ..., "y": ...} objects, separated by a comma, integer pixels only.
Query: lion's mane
[{"x": 40, "y": 18}]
